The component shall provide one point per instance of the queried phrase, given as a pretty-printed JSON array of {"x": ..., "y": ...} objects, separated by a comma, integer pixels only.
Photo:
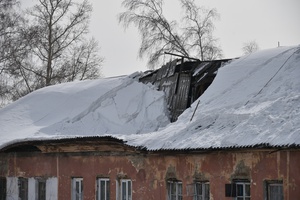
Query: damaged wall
[{"x": 150, "y": 171}]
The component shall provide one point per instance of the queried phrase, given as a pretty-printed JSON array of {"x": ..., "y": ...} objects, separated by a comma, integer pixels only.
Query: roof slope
[
  {"x": 104, "y": 107},
  {"x": 253, "y": 100}
]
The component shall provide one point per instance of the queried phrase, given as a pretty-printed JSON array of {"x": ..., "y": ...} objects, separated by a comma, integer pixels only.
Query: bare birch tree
[
  {"x": 157, "y": 33},
  {"x": 198, "y": 30},
  {"x": 58, "y": 25},
  {"x": 160, "y": 35},
  {"x": 50, "y": 48},
  {"x": 81, "y": 62},
  {"x": 10, "y": 45},
  {"x": 9, "y": 20}
]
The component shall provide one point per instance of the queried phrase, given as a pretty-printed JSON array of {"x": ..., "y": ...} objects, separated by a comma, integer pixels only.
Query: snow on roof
[
  {"x": 104, "y": 107},
  {"x": 253, "y": 100}
]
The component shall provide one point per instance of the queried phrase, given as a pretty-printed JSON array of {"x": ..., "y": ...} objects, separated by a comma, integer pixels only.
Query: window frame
[
  {"x": 106, "y": 188},
  {"x": 269, "y": 183},
  {"x": 243, "y": 183},
  {"x": 204, "y": 186},
  {"x": 23, "y": 188},
  {"x": 73, "y": 188},
  {"x": 40, "y": 194},
  {"x": 178, "y": 190},
  {"x": 232, "y": 190},
  {"x": 128, "y": 191}
]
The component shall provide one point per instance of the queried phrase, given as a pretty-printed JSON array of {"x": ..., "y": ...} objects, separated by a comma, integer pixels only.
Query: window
[
  {"x": 102, "y": 189},
  {"x": 238, "y": 189},
  {"x": 174, "y": 190},
  {"x": 77, "y": 188},
  {"x": 201, "y": 191},
  {"x": 126, "y": 193},
  {"x": 2, "y": 188},
  {"x": 242, "y": 191},
  {"x": 274, "y": 190},
  {"x": 40, "y": 189},
  {"x": 23, "y": 188}
]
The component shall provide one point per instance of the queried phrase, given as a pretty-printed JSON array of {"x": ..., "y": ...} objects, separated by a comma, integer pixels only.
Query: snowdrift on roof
[
  {"x": 254, "y": 100},
  {"x": 110, "y": 106}
]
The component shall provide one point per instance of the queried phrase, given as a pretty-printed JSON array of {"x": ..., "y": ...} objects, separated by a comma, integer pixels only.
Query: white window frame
[
  {"x": 177, "y": 194},
  {"x": 37, "y": 191},
  {"x": 204, "y": 186},
  {"x": 244, "y": 184},
  {"x": 128, "y": 189},
  {"x": 22, "y": 180},
  {"x": 77, "y": 195},
  {"x": 106, "y": 188}
]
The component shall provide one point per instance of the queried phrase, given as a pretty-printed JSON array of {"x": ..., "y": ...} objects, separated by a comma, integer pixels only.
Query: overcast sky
[{"x": 265, "y": 21}]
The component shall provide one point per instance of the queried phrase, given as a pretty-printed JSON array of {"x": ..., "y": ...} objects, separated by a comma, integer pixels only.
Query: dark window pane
[
  {"x": 129, "y": 187},
  {"x": 102, "y": 190},
  {"x": 2, "y": 188},
  {"x": 129, "y": 190},
  {"x": 240, "y": 190},
  {"x": 206, "y": 191},
  {"x": 173, "y": 188},
  {"x": 179, "y": 188},
  {"x": 41, "y": 190},
  {"x": 198, "y": 188},
  {"x": 77, "y": 187},
  {"x": 247, "y": 190},
  {"x": 123, "y": 190},
  {"x": 107, "y": 190}
]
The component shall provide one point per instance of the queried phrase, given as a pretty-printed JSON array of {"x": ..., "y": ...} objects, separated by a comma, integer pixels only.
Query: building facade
[{"x": 99, "y": 168}]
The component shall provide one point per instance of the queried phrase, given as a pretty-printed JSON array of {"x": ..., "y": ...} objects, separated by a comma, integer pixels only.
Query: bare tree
[
  {"x": 58, "y": 24},
  {"x": 49, "y": 48},
  {"x": 198, "y": 30},
  {"x": 250, "y": 47},
  {"x": 81, "y": 62},
  {"x": 10, "y": 45},
  {"x": 158, "y": 34},
  {"x": 8, "y": 25}
]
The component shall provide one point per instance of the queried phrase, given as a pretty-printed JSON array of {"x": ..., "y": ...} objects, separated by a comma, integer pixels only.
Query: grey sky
[{"x": 265, "y": 21}]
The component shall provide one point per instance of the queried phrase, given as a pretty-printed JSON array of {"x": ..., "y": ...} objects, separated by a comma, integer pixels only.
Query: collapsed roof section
[
  {"x": 253, "y": 102},
  {"x": 183, "y": 82}
]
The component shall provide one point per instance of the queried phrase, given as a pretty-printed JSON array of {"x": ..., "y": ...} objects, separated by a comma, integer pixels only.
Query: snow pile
[
  {"x": 111, "y": 106},
  {"x": 254, "y": 100}
]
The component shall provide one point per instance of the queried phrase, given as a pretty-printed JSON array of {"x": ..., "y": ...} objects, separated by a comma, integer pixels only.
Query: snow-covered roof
[
  {"x": 106, "y": 107},
  {"x": 253, "y": 100}
]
